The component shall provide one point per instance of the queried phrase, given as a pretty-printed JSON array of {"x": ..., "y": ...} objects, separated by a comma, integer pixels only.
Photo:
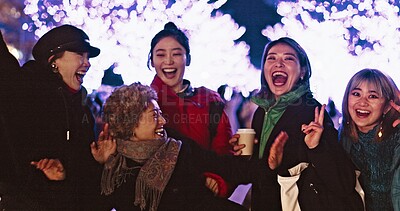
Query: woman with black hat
[{"x": 51, "y": 126}]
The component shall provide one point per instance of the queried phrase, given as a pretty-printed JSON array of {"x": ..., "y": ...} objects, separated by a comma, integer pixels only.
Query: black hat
[{"x": 63, "y": 38}]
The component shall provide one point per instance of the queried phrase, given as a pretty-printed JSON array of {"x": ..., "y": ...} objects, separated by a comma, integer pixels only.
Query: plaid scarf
[{"x": 158, "y": 158}]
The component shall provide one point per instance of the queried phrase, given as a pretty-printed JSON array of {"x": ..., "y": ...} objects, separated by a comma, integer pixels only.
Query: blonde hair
[{"x": 385, "y": 86}]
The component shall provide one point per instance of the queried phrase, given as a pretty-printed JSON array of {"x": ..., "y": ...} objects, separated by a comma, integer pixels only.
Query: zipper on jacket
[{"x": 66, "y": 112}]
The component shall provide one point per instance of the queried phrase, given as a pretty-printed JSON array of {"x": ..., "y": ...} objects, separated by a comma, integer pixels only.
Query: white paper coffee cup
[{"x": 247, "y": 136}]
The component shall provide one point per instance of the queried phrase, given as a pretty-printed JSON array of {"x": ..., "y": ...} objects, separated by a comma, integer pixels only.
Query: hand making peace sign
[{"x": 314, "y": 130}]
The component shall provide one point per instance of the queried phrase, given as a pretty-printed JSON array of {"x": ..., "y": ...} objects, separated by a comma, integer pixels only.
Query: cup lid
[{"x": 246, "y": 130}]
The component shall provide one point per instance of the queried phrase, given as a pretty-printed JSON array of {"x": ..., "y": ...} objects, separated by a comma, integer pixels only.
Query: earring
[
  {"x": 380, "y": 132},
  {"x": 54, "y": 68},
  {"x": 301, "y": 78}
]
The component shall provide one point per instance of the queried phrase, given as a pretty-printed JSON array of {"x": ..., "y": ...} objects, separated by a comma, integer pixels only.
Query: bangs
[{"x": 370, "y": 80}]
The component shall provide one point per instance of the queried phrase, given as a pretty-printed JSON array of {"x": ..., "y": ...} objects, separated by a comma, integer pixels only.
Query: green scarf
[{"x": 275, "y": 109}]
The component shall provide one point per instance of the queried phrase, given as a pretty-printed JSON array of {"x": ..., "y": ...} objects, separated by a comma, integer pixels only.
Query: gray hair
[{"x": 124, "y": 108}]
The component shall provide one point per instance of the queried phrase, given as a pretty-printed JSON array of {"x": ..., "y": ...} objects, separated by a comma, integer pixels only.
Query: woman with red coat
[{"x": 196, "y": 113}]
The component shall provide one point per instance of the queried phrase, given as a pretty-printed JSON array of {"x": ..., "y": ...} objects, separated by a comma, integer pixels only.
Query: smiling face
[
  {"x": 150, "y": 125},
  {"x": 73, "y": 67},
  {"x": 282, "y": 69},
  {"x": 366, "y": 106},
  {"x": 169, "y": 60}
]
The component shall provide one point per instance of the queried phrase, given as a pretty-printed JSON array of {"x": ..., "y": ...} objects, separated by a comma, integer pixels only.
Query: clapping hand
[
  {"x": 276, "y": 151},
  {"x": 104, "y": 147},
  {"x": 314, "y": 130},
  {"x": 52, "y": 168}
]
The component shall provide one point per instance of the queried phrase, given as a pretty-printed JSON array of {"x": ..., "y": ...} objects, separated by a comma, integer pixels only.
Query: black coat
[
  {"x": 185, "y": 189},
  {"x": 40, "y": 112},
  {"x": 331, "y": 163}
]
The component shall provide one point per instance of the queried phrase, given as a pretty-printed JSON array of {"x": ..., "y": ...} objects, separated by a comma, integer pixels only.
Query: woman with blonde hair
[{"x": 368, "y": 135}]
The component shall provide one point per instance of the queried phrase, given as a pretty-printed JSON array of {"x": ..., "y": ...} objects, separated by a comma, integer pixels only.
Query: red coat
[{"x": 189, "y": 114}]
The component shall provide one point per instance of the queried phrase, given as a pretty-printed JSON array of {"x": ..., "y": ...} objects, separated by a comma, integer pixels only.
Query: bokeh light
[
  {"x": 123, "y": 30},
  {"x": 341, "y": 38}
]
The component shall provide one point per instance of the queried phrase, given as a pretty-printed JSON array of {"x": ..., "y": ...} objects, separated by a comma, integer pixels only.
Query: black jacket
[
  {"x": 334, "y": 169},
  {"x": 185, "y": 189},
  {"x": 45, "y": 120}
]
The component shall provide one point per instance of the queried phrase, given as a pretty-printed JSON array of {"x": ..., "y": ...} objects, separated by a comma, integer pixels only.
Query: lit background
[{"x": 340, "y": 37}]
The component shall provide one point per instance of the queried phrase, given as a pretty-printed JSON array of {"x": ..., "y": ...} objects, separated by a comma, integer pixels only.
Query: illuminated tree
[
  {"x": 123, "y": 30},
  {"x": 341, "y": 38}
]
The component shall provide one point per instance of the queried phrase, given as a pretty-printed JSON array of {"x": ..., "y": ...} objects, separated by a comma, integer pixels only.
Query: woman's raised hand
[
  {"x": 314, "y": 130},
  {"x": 276, "y": 151},
  {"x": 52, "y": 168},
  {"x": 397, "y": 108},
  {"x": 104, "y": 147}
]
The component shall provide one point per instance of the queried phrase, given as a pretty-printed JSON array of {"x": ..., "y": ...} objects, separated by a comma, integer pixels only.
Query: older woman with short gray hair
[
  {"x": 124, "y": 108},
  {"x": 149, "y": 170}
]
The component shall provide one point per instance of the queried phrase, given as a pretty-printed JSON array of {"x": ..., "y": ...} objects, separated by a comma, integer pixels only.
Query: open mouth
[
  {"x": 160, "y": 132},
  {"x": 169, "y": 73},
  {"x": 79, "y": 76},
  {"x": 279, "y": 78},
  {"x": 362, "y": 113}
]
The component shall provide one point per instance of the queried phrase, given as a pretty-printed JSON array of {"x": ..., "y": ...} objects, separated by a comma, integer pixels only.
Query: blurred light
[
  {"x": 15, "y": 52},
  {"x": 124, "y": 33},
  {"x": 228, "y": 93},
  {"x": 352, "y": 35}
]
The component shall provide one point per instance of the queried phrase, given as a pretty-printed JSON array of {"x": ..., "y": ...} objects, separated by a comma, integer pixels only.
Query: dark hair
[
  {"x": 170, "y": 30},
  {"x": 265, "y": 91},
  {"x": 55, "y": 57},
  {"x": 385, "y": 86}
]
